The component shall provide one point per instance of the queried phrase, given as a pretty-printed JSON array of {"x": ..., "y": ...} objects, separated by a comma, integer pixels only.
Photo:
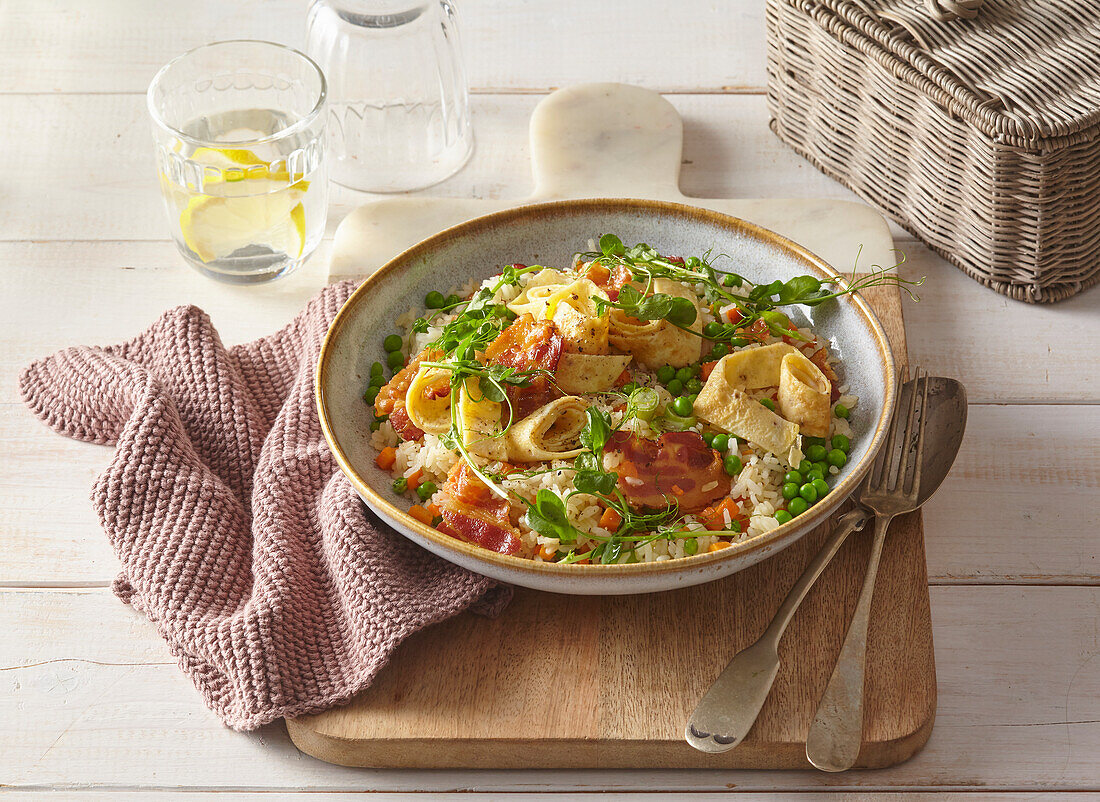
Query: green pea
[
  {"x": 400, "y": 485},
  {"x": 790, "y": 490},
  {"x": 426, "y": 490},
  {"x": 816, "y": 453},
  {"x": 395, "y": 360},
  {"x": 719, "y": 351},
  {"x": 434, "y": 300},
  {"x": 683, "y": 374},
  {"x": 797, "y": 506},
  {"x": 377, "y": 381},
  {"x": 675, "y": 387},
  {"x": 808, "y": 492},
  {"x": 822, "y": 468},
  {"x": 696, "y": 368},
  {"x": 813, "y": 441},
  {"x": 822, "y": 487},
  {"x": 730, "y": 280},
  {"x": 376, "y": 369},
  {"x": 693, "y": 386},
  {"x": 708, "y": 438},
  {"x": 452, "y": 300},
  {"x": 841, "y": 411},
  {"x": 721, "y": 442},
  {"x": 666, "y": 373},
  {"x": 814, "y": 474},
  {"x": 768, "y": 403},
  {"x": 841, "y": 442},
  {"x": 712, "y": 329},
  {"x": 837, "y": 457},
  {"x": 693, "y": 397},
  {"x": 371, "y": 394},
  {"x": 691, "y": 545},
  {"x": 732, "y": 464},
  {"x": 783, "y": 516},
  {"x": 794, "y": 476},
  {"x": 628, "y": 388},
  {"x": 681, "y": 406},
  {"x": 805, "y": 467},
  {"x": 393, "y": 343}
]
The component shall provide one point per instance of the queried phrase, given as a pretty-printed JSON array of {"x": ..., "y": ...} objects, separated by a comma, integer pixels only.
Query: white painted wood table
[{"x": 90, "y": 700}]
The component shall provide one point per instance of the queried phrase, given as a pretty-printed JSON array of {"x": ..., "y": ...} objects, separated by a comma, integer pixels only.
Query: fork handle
[{"x": 837, "y": 729}]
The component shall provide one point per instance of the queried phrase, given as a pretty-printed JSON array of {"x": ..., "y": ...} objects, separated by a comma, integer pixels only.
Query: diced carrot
[
  {"x": 433, "y": 508},
  {"x": 677, "y": 490},
  {"x": 547, "y": 552},
  {"x": 721, "y": 544},
  {"x": 415, "y": 480},
  {"x": 714, "y": 519},
  {"x": 610, "y": 519},
  {"x": 421, "y": 514},
  {"x": 598, "y": 274},
  {"x": 706, "y": 369},
  {"x": 507, "y": 468},
  {"x": 734, "y": 315},
  {"x": 386, "y": 458}
]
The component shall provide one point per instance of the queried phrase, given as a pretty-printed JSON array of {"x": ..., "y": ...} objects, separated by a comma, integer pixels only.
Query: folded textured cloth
[{"x": 277, "y": 590}]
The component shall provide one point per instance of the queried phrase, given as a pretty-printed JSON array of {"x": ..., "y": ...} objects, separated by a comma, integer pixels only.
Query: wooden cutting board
[{"x": 609, "y": 682}]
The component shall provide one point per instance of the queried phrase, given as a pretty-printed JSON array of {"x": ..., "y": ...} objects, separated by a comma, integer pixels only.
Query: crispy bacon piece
[
  {"x": 678, "y": 466},
  {"x": 820, "y": 358},
  {"x": 405, "y": 428},
  {"x": 609, "y": 280},
  {"x": 527, "y": 344},
  {"x": 471, "y": 512},
  {"x": 392, "y": 395}
]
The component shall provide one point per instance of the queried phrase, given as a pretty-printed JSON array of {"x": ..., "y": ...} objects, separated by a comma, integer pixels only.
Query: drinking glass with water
[{"x": 239, "y": 130}]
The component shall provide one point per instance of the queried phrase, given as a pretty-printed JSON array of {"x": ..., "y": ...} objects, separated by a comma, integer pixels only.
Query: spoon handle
[
  {"x": 729, "y": 708},
  {"x": 837, "y": 729}
]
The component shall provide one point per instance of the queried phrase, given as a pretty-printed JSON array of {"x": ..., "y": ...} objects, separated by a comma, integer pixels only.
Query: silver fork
[{"x": 892, "y": 488}]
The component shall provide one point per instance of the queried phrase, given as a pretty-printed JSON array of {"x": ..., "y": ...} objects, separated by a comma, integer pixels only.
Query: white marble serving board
[{"x": 611, "y": 141}]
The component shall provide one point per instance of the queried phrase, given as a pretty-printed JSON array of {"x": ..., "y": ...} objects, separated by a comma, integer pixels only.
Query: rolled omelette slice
[
  {"x": 539, "y": 288},
  {"x": 589, "y": 373},
  {"x": 655, "y": 343},
  {"x": 755, "y": 367},
  {"x": 573, "y": 310},
  {"x": 479, "y": 420},
  {"x": 804, "y": 394},
  {"x": 731, "y": 410},
  {"x": 550, "y": 432},
  {"x": 427, "y": 408}
]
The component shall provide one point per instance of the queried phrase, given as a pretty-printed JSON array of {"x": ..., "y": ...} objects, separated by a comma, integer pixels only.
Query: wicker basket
[{"x": 975, "y": 126}]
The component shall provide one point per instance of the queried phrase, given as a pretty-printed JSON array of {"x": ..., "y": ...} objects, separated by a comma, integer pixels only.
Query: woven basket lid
[{"x": 1024, "y": 72}]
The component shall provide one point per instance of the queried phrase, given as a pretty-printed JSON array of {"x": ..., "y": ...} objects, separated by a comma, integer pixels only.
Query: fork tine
[
  {"x": 913, "y": 472},
  {"x": 896, "y": 476},
  {"x": 881, "y": 465}
]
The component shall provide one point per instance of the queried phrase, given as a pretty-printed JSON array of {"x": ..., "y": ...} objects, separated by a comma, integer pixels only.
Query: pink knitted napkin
[{"x": 277, "y": 590}]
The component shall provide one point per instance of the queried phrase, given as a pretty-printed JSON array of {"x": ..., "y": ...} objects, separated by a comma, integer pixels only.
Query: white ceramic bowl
[{"x": 549, "y": 234}]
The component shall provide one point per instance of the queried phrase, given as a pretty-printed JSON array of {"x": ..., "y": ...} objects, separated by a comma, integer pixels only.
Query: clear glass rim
[{"x": 290, "y": 130}]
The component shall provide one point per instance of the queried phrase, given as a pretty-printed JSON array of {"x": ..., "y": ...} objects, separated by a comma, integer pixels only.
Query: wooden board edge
[{"x": 570, "y": 753}]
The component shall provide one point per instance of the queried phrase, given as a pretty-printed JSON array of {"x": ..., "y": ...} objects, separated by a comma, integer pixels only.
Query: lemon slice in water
[{"x": 255, "y": 212}]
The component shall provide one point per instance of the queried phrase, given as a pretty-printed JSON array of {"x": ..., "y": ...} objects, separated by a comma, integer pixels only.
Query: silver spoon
[{"x": 729, "y": 708}]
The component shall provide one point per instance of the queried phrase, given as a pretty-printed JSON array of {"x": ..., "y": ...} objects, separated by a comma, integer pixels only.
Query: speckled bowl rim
[{"x": 790, "y": 531}]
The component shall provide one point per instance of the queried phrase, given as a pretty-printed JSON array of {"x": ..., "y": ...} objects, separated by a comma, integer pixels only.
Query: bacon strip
[
  {"x": 471, "y": 512},
  {"x": 527, "y": 344},
  {"x": 675, "y": 467},
  {"x": 392, "y": 394},
  {"x": 405, "y": 428}
]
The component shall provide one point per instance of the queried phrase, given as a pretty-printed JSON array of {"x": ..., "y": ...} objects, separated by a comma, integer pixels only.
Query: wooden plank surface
[
  {"x": 87, "y": 687},
  {"x": 118, "y": 45},
  {"x": 1017, "y": 668}
]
